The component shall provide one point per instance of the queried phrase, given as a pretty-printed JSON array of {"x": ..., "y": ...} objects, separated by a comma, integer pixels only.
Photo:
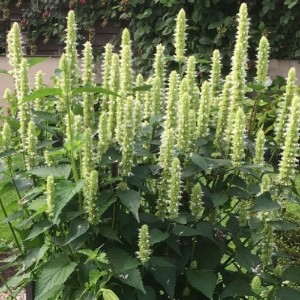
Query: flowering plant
[{"x": 147, "y": 187}]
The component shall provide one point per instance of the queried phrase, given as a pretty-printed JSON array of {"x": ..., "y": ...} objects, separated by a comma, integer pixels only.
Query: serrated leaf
[
  {"x": 53, "y": 275},
  {"x": 237, "y": 192},
  {"x": 121, "y": 260},
  {"x": 167, "y": 278},
  {"x": 204, "y": 281},
  {"x": 157, "y": 261},
  {"x": 60, "y": 171},
  {"x": 34, "y": 256},
  {"x": 93, "y": 89},
  {"x": 292, "y": 274},
  {"x": 182, "y": 230},
  {"x": 132, "y": 277},
  {"x": 150, "y": 294},
  {"x": 265, "y": 202},
  {"x": 219, "y": 199},
  {"x": 199, "y": 161},
  {"x": 64, "y": 192},
  {"x": 7, "y": 153},
  {"x": 237, "y": 288},
  {"x": 107, "y": 198},
  {"x": 77, "y": 228},
  {"x": 132, "y": 200},
  {"x": 142, "y": 88},
  {"x": 285, "y": 293},
  {"x": 43, "y": 92},
  {"x": 39, "y": 228},
  {"x": 109, "y": 233},
  {"x": 248, "y": 260},
  {"x": 15, "y": 216},
  {"x": 205, "y": 229},
  {"x": 157, "y": 236}
]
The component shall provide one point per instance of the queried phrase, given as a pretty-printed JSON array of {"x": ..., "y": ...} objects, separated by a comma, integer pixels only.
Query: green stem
[
  {"x": 11, "y": 227},
  {"x": 253, "y": 114}
]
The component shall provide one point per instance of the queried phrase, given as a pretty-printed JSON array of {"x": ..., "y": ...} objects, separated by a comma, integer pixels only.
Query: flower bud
[{"x": 144, "y": 251}]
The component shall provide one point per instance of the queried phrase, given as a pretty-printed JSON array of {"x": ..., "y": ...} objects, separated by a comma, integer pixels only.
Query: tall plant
[{"x": 131, "y": 190}]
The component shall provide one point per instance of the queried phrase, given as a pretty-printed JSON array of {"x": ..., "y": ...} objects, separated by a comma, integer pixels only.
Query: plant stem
[
  {"x": 11, "y": 227},
  {"x": 8, "y": 288}
]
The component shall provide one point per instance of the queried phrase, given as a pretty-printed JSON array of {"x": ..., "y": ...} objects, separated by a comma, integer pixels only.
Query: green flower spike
[
  {"x": 11, "y": 100},
  {"x": 172, "y": 99},
  {"x": 114, "y": 85},
  {"x": 174, "y": 189},
  {"x": 284, "y": 105},
  {"x": 166, "y": 148},
  {"x": 64, "y": 82},
  {"x": 48, "y": 158},
  {"x": 266, "y": 184},
  {"x": 204, "y": 111},
  {"x": 31, "y": 143},
  {"x": 87, "y": 154},
  {"x": 103, "y": 134},
  {"x": 106, "y": 70},
  {"x": 192, "y": 129},
  {"x": 50, "y": 196},
  {"x": 156, "y": 96},
  {"x": 237, "y": 140},
  {"x": 15, "y": 52},
  {"x": 159, "y": 65},
  {"x": 243, "y": 27},
  {"x": 125, "y": 40},
  {"x": 148, "y": 101},
  {"x": 190, "y": 75},
  {"x": 126, "y": 71},
  {"x": 183, "y": 130},
  {"x": 180, "y": 37},
  {"x": 88, "y": 79},
  {"x": 262, "y": 64},
  {"x": 144, "y": 252},
  {"x": 196, "y": 203},
  {"x": 6, "y": 143},
  {"x": 223, "y": 112},
  {"x": 290, "y": 153},
  {"x": 39, "y": 104},
  {"x": 184, "y": 87},
  {"x": 128, "y": 132},
  {"x": 267, "y": 244},
  {"x": 215, "y": 77},
  {"x": 70, "y": 49},
  {"x": 91, "y": 194},
  {"x": 259, "y": 148}
]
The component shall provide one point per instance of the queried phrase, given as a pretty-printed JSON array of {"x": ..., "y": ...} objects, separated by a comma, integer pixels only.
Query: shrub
[{"x": 148, "y": 188}]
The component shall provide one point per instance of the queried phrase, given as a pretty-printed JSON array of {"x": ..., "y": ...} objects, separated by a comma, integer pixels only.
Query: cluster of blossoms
[{"x": 128, "y": 116}]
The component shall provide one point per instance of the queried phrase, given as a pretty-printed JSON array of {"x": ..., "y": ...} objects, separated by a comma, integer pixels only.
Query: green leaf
[
  {"x": 205, "y": 229},
  {"x": 265, "y": 202},
  {"x": 157, "y": 236},
  {"x": 292, "y": 274},
  {"x": 248, "y": 260},
  {"x": 32, "y": 61},
  {"x": 53, "y": 275},
  {"x": 285, "y": 293},
  {"x": 109, "y": 233},
  {"x": 43, "y": 92},
  {"x": 121, "y": 260},
  {"x": 131, "y": 199},
  {"x": 150, "y": 294},
  {"x": 77, "y": 228},
  {"x": 132, "y": 277},
  {"x": 3, "y": 71},
  {"x": 60, "y": 171},
  {"x": 93, "y": 89},
  {"x": 157, "y": 261},
  {"x": 39, "y": 228},
  {"x": 64, "y": 192},
  {"x": 7, "y": 153},
  {"x": 167, "y": 278},
  {"x": 237, "y": 288},
  {"x": 142, "y": 88},
  {"x": 34, "y": 256},
  {"x": 182, "y": 230},
  {"x": 219, "y": 199},
  {"x": 204, "y": 281},
  {"x": 107, "y": 198},
  {"x": 199, "y": 161}
]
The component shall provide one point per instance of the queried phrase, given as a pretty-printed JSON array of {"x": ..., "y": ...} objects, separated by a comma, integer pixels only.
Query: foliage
[
  {"x": 124, "y": 190},
  {"x": 152, "y": 22}
]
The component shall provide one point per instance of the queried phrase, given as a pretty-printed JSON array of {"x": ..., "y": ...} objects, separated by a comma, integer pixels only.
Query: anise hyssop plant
[{"x": 149, "y": 188}]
